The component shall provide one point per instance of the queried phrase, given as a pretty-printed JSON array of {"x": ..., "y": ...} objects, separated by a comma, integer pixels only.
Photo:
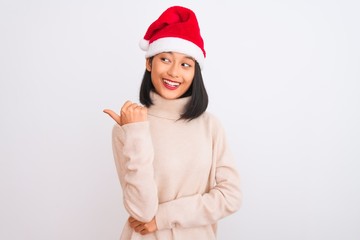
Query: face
[{"x": 171, "y": 73}]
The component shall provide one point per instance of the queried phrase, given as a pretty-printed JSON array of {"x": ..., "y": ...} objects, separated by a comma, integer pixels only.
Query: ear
[{"x": 148, "y": 64}]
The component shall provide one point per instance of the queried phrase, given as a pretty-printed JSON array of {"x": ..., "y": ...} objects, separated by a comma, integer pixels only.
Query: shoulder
[
  {"x": 210, "y": 117},
  {"x": 212, "y": 121}
]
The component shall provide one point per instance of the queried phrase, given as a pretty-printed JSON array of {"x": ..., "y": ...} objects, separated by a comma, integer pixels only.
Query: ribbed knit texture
[{"x": 180, "y": 172}]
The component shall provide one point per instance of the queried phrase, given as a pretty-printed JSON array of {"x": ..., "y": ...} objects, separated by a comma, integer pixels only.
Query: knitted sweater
[{"x": 180, "y": 172}]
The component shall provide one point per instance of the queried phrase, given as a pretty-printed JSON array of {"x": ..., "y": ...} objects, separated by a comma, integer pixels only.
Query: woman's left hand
[{"x": 141, "y": 227}]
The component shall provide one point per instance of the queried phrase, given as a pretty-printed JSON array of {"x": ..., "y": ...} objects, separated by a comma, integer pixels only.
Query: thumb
[{"x": 113, "y": 115}]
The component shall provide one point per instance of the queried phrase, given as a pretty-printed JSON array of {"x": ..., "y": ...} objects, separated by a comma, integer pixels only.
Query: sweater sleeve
[
  {"x": 134, "y": 154},
  {"x": 223, "y": 199}
]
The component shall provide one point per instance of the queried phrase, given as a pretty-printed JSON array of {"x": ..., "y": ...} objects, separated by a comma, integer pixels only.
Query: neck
[{"x": 167, "y": 108}]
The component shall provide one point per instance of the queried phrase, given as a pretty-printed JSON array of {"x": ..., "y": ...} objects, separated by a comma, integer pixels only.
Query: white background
[{"x": 283, "y": 77}]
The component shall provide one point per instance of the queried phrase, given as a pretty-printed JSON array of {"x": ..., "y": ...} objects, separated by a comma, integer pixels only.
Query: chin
[{"x": 170, "y": 96}]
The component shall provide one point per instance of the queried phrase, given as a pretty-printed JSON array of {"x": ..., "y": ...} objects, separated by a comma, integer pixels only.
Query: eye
[
  {"x": 186, "y": 65},
  {"x": 163, "y": 59}
]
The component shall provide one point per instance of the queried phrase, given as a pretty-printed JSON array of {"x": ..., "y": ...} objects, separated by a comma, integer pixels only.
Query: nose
[{"x": 173, "y": 71}]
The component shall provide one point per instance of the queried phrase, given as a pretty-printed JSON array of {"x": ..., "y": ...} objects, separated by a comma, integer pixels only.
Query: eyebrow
[{"x": 186, "y": 56}]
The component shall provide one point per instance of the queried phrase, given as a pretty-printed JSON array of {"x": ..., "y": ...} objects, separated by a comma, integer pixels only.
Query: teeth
[{"x": 171, "y": 83}]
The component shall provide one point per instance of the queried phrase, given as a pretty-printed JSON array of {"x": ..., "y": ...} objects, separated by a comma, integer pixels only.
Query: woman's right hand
[{"x": 129, "y": 113}]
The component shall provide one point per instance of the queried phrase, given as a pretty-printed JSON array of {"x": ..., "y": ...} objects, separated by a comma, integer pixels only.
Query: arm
[
  {"x": 133, "y": 154},
  {"x": 223, "y": 199}
]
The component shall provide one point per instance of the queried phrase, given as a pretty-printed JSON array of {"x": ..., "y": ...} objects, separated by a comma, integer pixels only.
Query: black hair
[{"x": 199, "y": 97}]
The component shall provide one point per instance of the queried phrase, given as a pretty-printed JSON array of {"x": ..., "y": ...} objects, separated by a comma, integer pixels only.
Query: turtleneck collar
[{"x": 165, "y": 108}]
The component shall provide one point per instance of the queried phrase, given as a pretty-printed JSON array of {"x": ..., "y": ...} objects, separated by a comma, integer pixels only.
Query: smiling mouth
[{"x": 170, "y": 84}]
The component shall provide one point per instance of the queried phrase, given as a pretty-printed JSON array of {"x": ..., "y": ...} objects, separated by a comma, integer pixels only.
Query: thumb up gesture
[{"x": 129, "y": 113}]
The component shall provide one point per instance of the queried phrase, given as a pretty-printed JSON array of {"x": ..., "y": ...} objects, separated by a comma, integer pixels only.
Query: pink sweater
[{"x": 180, "y": 172}]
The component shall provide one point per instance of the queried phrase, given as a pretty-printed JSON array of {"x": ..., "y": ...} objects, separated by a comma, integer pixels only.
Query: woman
[{"x": 173, "y": 161}]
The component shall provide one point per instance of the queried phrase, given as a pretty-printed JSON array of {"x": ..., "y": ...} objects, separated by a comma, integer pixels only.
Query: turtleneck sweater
[{"x": 180, "y": 172}]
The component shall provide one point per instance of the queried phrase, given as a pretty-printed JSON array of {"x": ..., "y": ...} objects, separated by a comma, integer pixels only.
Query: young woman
[{"x": 173, "y": 161}]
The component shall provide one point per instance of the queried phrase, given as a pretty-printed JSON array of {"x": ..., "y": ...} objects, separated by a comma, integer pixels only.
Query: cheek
[
  {"x": 189, "y": 77},
  {"x": 153, "y": 78},
  {"x": 158, "y": 66}
]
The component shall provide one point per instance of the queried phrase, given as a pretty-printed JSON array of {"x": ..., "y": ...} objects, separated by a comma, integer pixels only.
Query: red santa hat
[{"x": 176, "y": 30}]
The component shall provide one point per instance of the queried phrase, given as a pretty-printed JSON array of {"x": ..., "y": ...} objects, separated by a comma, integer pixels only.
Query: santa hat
[{"x": 176, "y": 30}]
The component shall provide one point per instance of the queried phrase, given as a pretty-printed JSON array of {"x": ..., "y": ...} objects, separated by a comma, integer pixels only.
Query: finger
[
  {"x": 139, "y": 107},
  {"x": 144, "y": 231},
  {"x": 136, "y": 224},
  {"x": 131, "y": 219},
  {"x": 133, "y": 222},
  {"x": 134, "y": 107},
  {"x": 139, "y": 228},
  {"x": 126, "y": 105},
  {"x": 113, "y": 115}
]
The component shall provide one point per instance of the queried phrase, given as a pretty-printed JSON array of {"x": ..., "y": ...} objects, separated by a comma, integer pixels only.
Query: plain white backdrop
[{"x": 283, "y": 77}]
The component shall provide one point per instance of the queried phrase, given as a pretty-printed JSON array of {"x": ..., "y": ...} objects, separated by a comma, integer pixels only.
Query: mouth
[{"x": 171, "y": 84}]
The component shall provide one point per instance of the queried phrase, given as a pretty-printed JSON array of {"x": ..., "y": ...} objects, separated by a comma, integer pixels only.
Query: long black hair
[{"x": 199, "y": 97}]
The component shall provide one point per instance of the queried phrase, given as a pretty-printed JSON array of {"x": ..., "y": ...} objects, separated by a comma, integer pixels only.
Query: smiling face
[{"x": 171, "y": 73}]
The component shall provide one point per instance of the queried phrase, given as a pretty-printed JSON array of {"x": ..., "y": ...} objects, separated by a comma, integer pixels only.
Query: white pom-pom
[{"x": 144, "y": 44}]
